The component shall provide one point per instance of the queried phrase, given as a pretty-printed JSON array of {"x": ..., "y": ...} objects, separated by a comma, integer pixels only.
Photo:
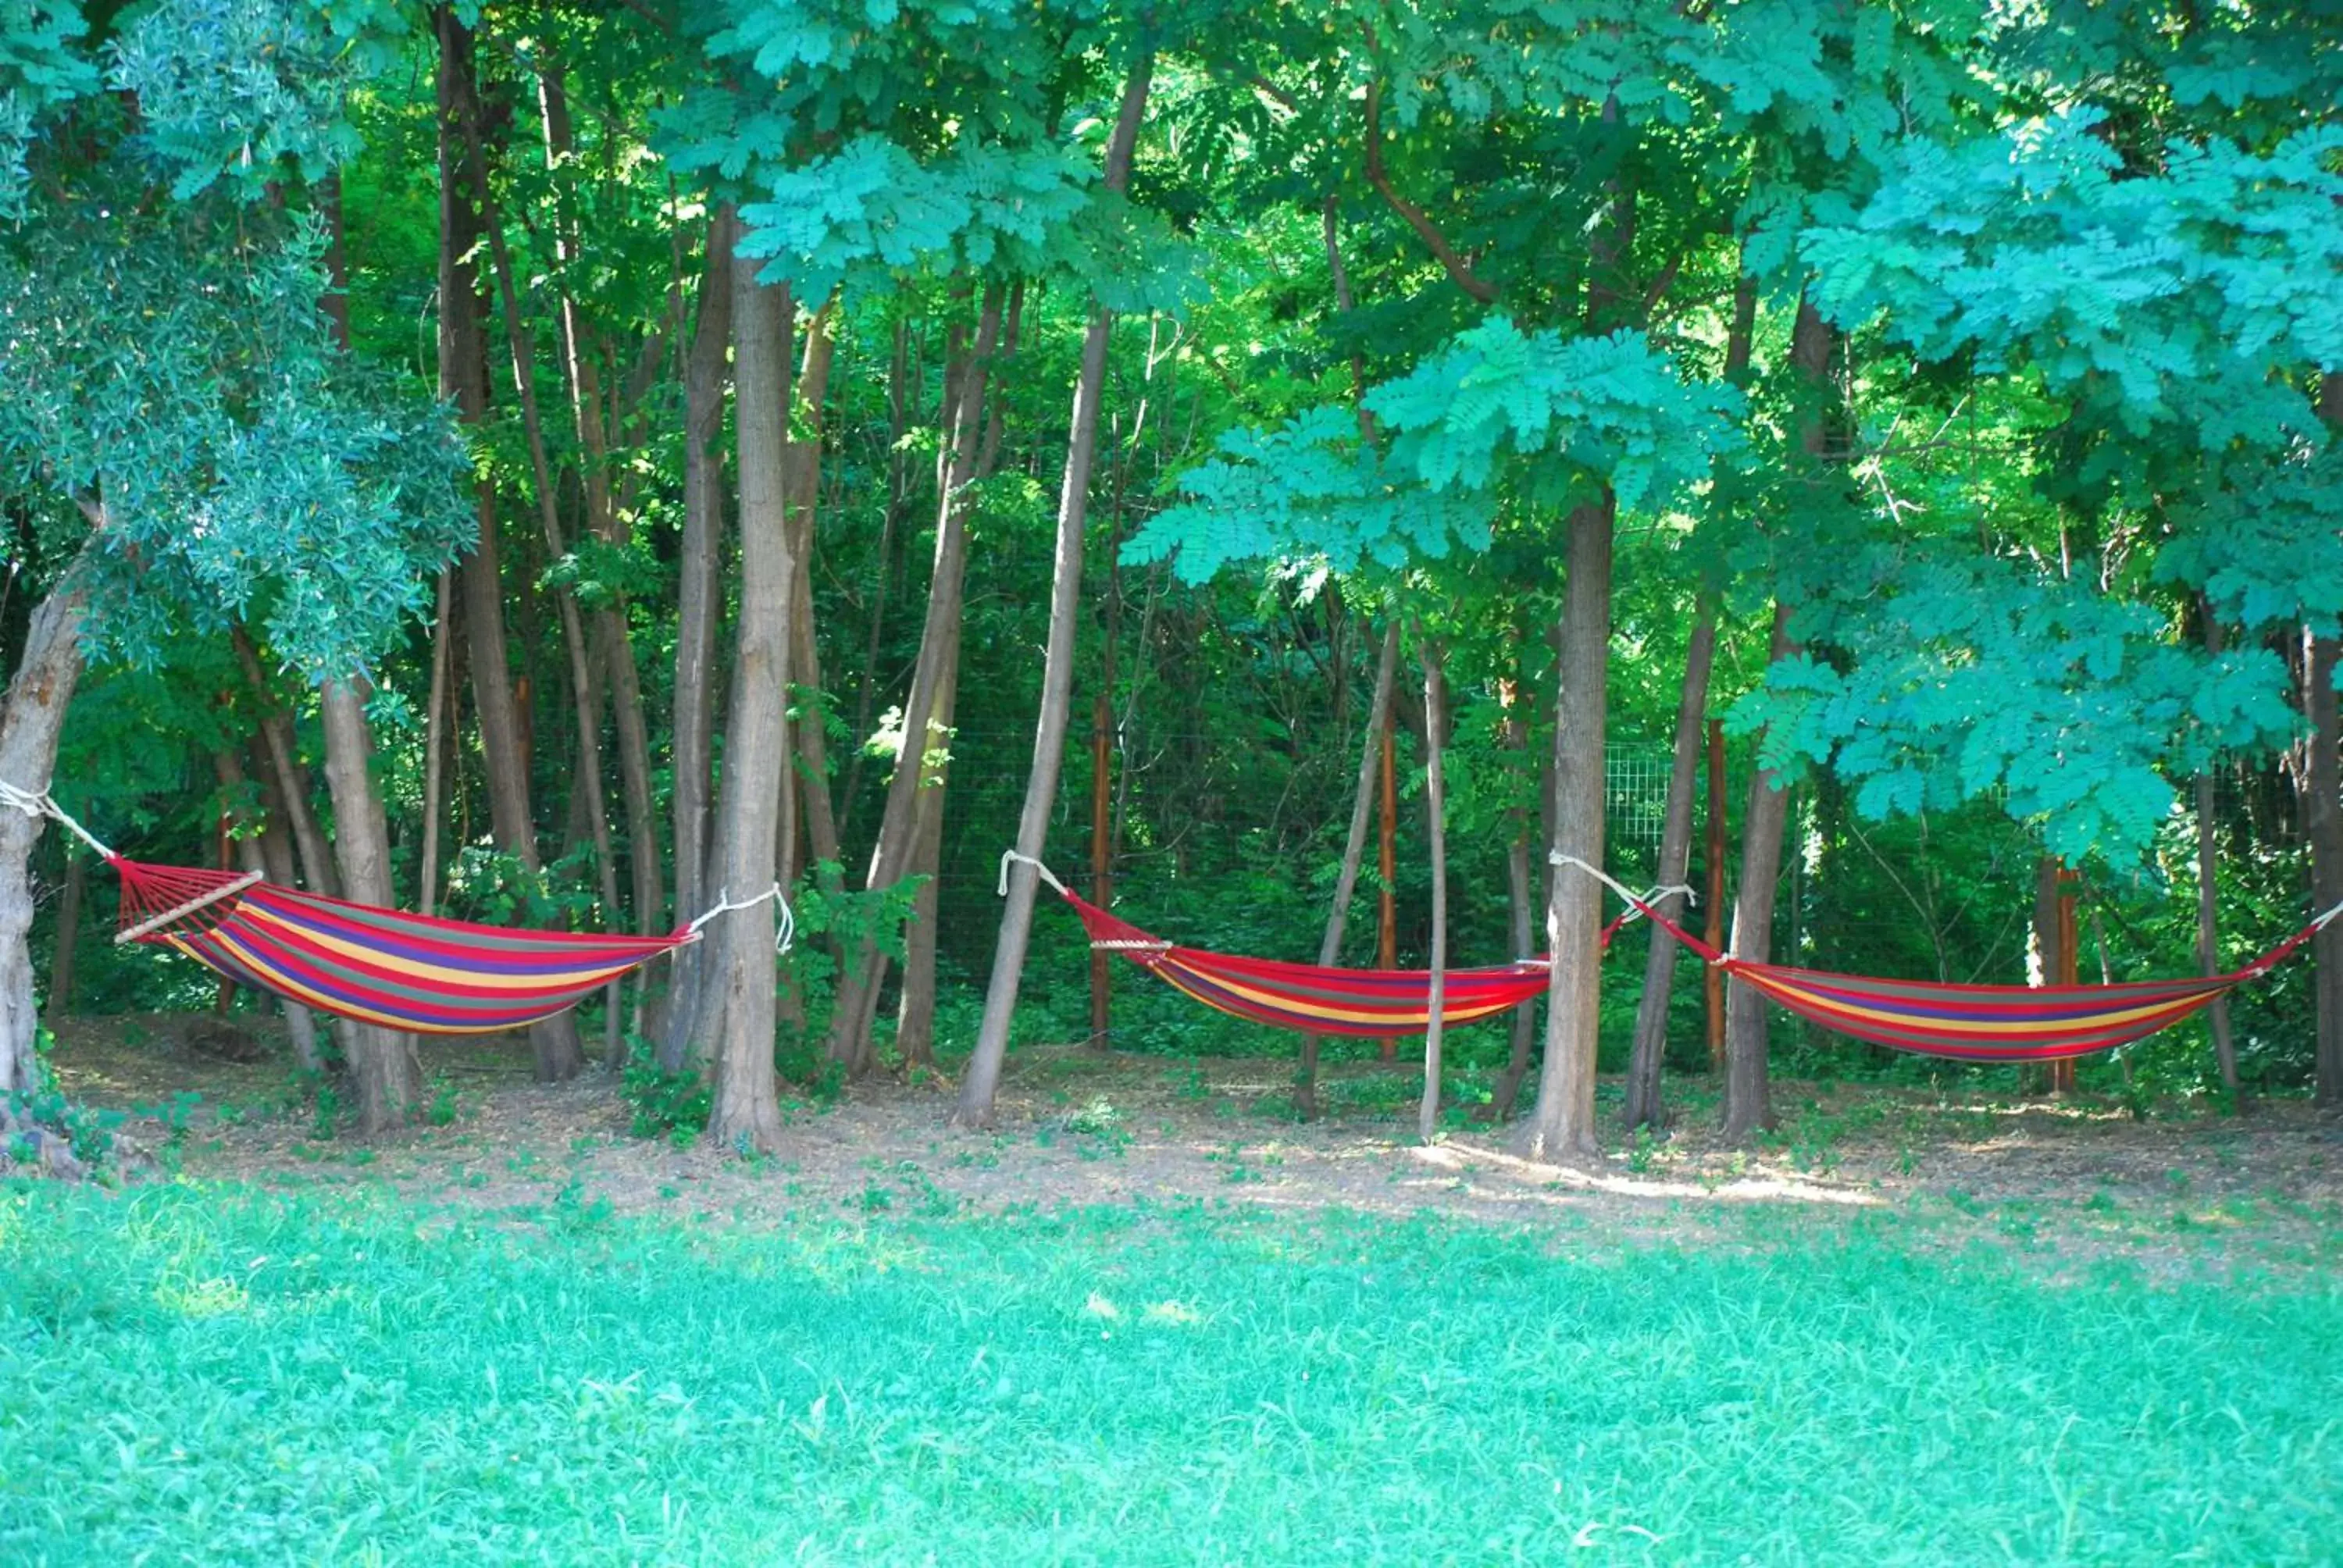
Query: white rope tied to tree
[
  {"x": 786, "y": 925},
  {"x": 37, "y": 803},
  {"x": 1635, "y": 901},
  {"x": 1008, "y": 855},
  {"x": 2320, "y": 923}
]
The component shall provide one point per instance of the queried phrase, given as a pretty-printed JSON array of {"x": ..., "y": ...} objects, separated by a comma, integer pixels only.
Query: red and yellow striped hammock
[
  {"x": 2002, "y": 1023},
  {"x": 403, "y": 971}
]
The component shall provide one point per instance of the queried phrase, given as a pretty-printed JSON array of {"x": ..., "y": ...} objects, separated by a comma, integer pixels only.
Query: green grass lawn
[{"x": 195, "y": 1374}]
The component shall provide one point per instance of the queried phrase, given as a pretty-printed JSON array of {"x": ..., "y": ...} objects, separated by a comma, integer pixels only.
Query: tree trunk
[
  {"x": 613, "y": 647},
  {"x": 926, "y": 717},
  {"x": 463, "y": 378},
  {"x": 389, "y": 1076},
  {"x": 276, "y": 739},
  {"x": 1644, "y": 1107},
  {"x": 699, "y": 611},
  {"x": 1058, "y": 662},
  {"x": 1561, "y": 1126},
  {"x": 252, "y": 855},
  {"x": 2322, "y": 824},
  {"x": 2322, "y": 816},
  {"x": 30, "y": 724},
  {"x": 1435, "y": 808},
  {"x": 435, "y": 746},
  {"x": 810, "y": 745},
  {"x": 59, "y": 1002},
  {"x": 2208, "y": 898},
  {"x": 1748, "y": 1105},
  {"x": 738, "y": 1010},
  {"x": 1354, "y": 850}
]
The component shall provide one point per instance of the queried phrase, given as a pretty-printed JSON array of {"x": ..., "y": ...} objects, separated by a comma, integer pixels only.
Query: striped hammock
[
  {"x": 408, "y": 972},
  {"x": 1371, "y": 1004},
  {"x": 2008, "y": 1023}
]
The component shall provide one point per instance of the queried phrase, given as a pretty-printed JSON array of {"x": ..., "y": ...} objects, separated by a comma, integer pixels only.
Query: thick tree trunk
[
  {"x": 464, "y": 378},
  {"x": 1561, "y": 1126},
  {"x": 1435, "y": 810},
  {"x": 699, "y": 611},
  {"x": 30, "y": 725},
  {"x": 1748, "y": 1104},
  {"x": 389, "y": 1076},
  {"x": 1058, "y": 662},
  {"x": 1354, "y": 850},
  {"x": 2322, "y": 816},
  {"x": 736, "y": 1016},
  {"x": 1644, "y": 1107},
  {"x": 926, "y": 717},
  {"x": 2322, "y": 825}
]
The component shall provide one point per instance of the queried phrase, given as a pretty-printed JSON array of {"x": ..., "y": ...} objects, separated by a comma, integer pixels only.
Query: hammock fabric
[
  {"x": 1984, "y": 1022},
  {"x": 1368, "y": 1003},
  {"x": 403, "y": 971}
]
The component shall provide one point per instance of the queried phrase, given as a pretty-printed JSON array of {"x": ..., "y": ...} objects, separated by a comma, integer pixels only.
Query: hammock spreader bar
[
  {"x": 1367, "y": 1003},
  {"x": 403, "y": 971},
  {"x": 1978, "y": 1022}
]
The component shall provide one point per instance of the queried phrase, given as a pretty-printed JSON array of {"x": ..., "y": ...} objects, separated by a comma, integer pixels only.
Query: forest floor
[{"x": 2067, "y": 1185}]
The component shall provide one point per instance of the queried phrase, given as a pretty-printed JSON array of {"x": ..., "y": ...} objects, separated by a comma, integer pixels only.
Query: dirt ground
[{"x": 2071, "y": 1183}]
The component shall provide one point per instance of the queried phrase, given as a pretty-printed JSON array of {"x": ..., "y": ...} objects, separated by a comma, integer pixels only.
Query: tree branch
[{"x": 1460, "y": 271}]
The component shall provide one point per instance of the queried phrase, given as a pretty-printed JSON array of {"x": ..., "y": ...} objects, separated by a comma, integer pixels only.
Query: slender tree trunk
[
  {"x": 252, "y": 855},
  {"x": 1748, "y": 1104},
  {"x": 738, "y": 1019},
  {"x": 810, "y": 745},
  {"x": 926, "y": 719},
  {"x": 613, "y": 647},
  {"x": 464, "y": 378},
  {"x": 435, "y": 746},
  {"x": 1644, "y": 1107},
  {"x": 68, "y": 935},
  {"x": 1435, "y": 806},
  {"x": 699, "y": 610},
  {"x": 1713, "y": 978},
  {"x": 276, "y": 739},
  {"x": 2322, "y": 823},
  {"x": 389, "y": 1076},
  {"x": 30, "y": 725},
  {"x": 1354, "y": 850},
  {"x": 984, "y": 1077},
  {"x": 2208, "y": 898},
  {"x": 1561, "y": 1126}
]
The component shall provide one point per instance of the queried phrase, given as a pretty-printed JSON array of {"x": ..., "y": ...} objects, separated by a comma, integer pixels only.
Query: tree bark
[
  {"x": 2321, "y": 779},
  {"x": 1354, "y": 850},
  {"x": 1643, "y": 1107},
  {"x": 463, "y": 378},
  {"x": 1435, "y": 808},
  {"x": 921, "y": 765},
  {"x": 30, "y": 725},
  {"x": 276, "y": 739},
  {"x": 59, "y": 1003},
  {"x": 252, "y": 855},
  {"x": 1561, "y": 1126},
  {"x": 737, "y": 1009},
  {"x": 984, "y": 1077},
  {"x": 2208, "y": 898},
  {"x": 435, "y": 746},
  {"x": 1748, "y": 1104},
  {"x": 389, "y": 1076},
  {"x": 699, "y": 610}
]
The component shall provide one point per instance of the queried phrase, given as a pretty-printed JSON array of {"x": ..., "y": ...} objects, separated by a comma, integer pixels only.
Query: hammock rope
[
  {"x": 414, "y": 973},
  {"x": 1978, "y": 1022}
]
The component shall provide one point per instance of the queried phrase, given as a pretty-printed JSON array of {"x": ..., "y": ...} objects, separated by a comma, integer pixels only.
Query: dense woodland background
[{"x": 433, "y": 436}]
